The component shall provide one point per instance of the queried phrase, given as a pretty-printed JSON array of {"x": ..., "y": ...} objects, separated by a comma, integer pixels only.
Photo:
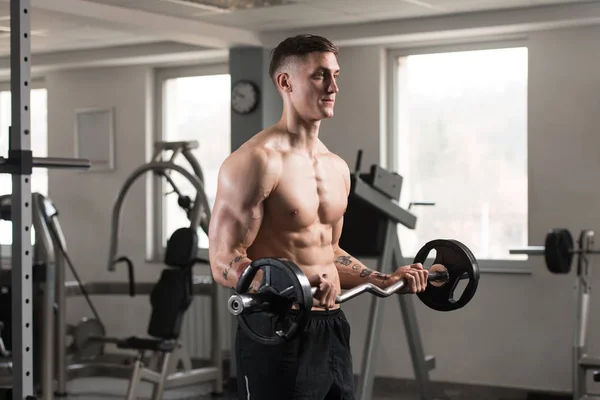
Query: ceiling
[
  {"x": 311, "y": 13},
  {"x": 60, "y": 25}
]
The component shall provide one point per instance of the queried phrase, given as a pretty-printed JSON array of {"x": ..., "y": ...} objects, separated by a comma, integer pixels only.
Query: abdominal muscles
[{"x": 300, "y": 215}]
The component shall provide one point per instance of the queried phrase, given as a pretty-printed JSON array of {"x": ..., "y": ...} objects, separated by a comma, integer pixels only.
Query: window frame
[
  {"x": 389, "y": 140},
  {"x": 156, "y": 248},
  {"x": 38, "y": 83}
]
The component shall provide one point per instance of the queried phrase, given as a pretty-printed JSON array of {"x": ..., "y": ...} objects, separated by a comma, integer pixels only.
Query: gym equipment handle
[
  {"x": 396, "y": 287},
  {"x": 239, "y": 303}
]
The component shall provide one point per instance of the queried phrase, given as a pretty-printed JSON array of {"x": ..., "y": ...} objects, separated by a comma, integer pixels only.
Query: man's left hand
[{"x": 414, "y": 275}]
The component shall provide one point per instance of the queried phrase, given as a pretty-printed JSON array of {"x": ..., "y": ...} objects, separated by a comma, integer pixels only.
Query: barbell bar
[
  {"x": 238, "y": 303},
  {"x": 558, "y": 250}
]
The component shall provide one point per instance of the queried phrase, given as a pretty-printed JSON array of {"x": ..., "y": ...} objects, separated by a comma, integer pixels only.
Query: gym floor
[{"x": 110, "y": 389}]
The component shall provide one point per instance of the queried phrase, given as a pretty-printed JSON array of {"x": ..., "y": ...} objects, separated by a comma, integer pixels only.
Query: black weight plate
[
  {"x": 559, "y": 251},
  {"x": 459, "y": 261},
  {"x": 82, "y": 347},
  {"x": 283, "y": 285}
]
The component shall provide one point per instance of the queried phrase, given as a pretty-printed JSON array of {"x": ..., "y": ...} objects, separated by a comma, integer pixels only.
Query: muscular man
[{"x": 284, "y": 194}]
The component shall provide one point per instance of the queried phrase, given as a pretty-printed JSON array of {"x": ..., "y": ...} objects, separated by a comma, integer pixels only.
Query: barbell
[
  {"x": 558, "y": 250},
  {"x": 279, "y": 309}
]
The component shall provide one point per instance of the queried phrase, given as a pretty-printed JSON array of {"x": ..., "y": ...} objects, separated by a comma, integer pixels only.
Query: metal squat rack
[{"x": 19, "y": 164}]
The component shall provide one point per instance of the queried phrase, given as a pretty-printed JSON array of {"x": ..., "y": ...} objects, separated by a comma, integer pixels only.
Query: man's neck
[{"x": 304, "y": 135}]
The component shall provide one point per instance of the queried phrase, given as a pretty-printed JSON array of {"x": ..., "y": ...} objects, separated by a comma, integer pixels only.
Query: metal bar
[
  {"x": 579, "y": 377},
  {"x": 541, "y": 250},
  {"x": 60, "y": 330},
  {"x": 196, "y": 217},
  {"x": 159, "y": 387},
  {"x": 367, "y": 375},
  {"x": 163, "y": 146},
  {"x": 22, "y": 327},
  {"x": 582, "y": 302},
  {"x": 382, "y": 203},
  {"x": 422, "y": 364},
  {"x": 187, "y": 153},
  {"x": 59, "y": 162},
  {"x": 216, "y": 337},
  {"x": 202, "y": 286},
  {"x": 134, "y": 382},
  {"x": 55, "y": 162},
  {"x": 530, "y": 250},
  {"x": 238, "y": 303},
  {"x": 45, "y": 245}
]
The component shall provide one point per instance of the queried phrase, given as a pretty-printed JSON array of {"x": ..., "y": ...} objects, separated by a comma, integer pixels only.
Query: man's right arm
[{"x": 246, "y": 179}]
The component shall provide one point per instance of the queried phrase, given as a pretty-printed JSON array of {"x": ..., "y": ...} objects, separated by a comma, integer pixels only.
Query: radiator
[{"x": 196, "y": 332}]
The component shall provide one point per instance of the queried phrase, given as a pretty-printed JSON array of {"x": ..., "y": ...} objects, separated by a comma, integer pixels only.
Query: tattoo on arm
[
  {"x": 226, "y": 270},
  {"x": 368, "y": 272},
  {"x": 344, "y": 260},
  {"x": 383, "y": 277},
  {"x": 365, "y": 272}
]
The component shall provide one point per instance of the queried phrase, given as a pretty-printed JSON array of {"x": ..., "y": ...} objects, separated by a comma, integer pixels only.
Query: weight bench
[{"x": 170, "y": 298}]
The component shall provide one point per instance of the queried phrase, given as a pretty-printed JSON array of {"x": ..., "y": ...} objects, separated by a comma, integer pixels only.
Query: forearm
[
  {"x": 228, "y": 268},
  {"x": 353, "y": 273}
]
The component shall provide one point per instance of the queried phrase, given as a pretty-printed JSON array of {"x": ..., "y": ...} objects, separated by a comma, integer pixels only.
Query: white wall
[
  {"x": 517, "y": 330},
  {"x": 85, "y": 200}
]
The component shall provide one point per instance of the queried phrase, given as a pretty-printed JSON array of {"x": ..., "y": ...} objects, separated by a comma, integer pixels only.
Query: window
[
  {"x": 39, "y": 147},
  {"x": 459, "y": 139},
  {"x": 194, "y": 105}
]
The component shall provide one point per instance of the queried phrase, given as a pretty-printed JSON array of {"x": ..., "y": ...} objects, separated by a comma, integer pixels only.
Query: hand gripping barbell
[{"x": 280, "y": 308}]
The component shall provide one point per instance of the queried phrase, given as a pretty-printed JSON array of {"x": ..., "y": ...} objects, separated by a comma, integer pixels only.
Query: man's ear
[{"x": 283, "y": 82}]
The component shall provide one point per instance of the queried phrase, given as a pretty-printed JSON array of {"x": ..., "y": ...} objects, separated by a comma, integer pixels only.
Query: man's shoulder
[
  {"x": 253, "y": 156},
  {"x": 256, "y": 150},
  {"x": 335, "y": 158}
]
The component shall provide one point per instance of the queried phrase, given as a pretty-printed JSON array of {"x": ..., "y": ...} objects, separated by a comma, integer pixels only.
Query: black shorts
[{"x": 316, "y": 365}]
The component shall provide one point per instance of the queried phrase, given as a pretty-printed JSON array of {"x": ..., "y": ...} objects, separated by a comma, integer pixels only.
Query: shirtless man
[{"x": 284, "y": 194}]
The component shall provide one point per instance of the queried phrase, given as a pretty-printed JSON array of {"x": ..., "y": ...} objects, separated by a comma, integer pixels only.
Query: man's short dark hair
[{"x": 298, "y": 46}]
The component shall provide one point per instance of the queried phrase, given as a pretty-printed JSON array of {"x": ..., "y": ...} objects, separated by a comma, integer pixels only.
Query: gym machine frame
[
  {"x": 19, "y": 164},
  {"x": 112, "y": 365},
  {"x": 581, "y": 361},
  {"x": 43, "y": 280},
  {"x": 48, "y": 278},
  {"x": 199, "y": 215},
  {"x": 378, "y": 195}
]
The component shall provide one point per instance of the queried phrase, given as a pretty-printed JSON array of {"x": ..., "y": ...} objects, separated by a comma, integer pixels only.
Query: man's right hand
[{"x": 326, "y": 291}]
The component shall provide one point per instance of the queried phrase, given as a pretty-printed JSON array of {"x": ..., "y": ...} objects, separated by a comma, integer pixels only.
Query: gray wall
[{"x": 516, "y": 332}]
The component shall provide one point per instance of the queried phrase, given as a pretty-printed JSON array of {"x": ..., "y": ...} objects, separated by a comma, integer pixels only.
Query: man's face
[{"x": 314, "y": 85}]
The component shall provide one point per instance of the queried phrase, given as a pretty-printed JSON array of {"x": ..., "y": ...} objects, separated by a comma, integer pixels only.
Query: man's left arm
[
  {"x": 354, "y": 273},
  {"x": 351, "y": 271}
]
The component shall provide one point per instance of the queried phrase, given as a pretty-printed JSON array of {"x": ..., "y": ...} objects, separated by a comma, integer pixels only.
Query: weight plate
[
  {"x": 82, "y": 348},
  {"x": 460, "y": 263},
  {"x": 559, "y": 251},
  {"x": 283, "y": 286}
]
